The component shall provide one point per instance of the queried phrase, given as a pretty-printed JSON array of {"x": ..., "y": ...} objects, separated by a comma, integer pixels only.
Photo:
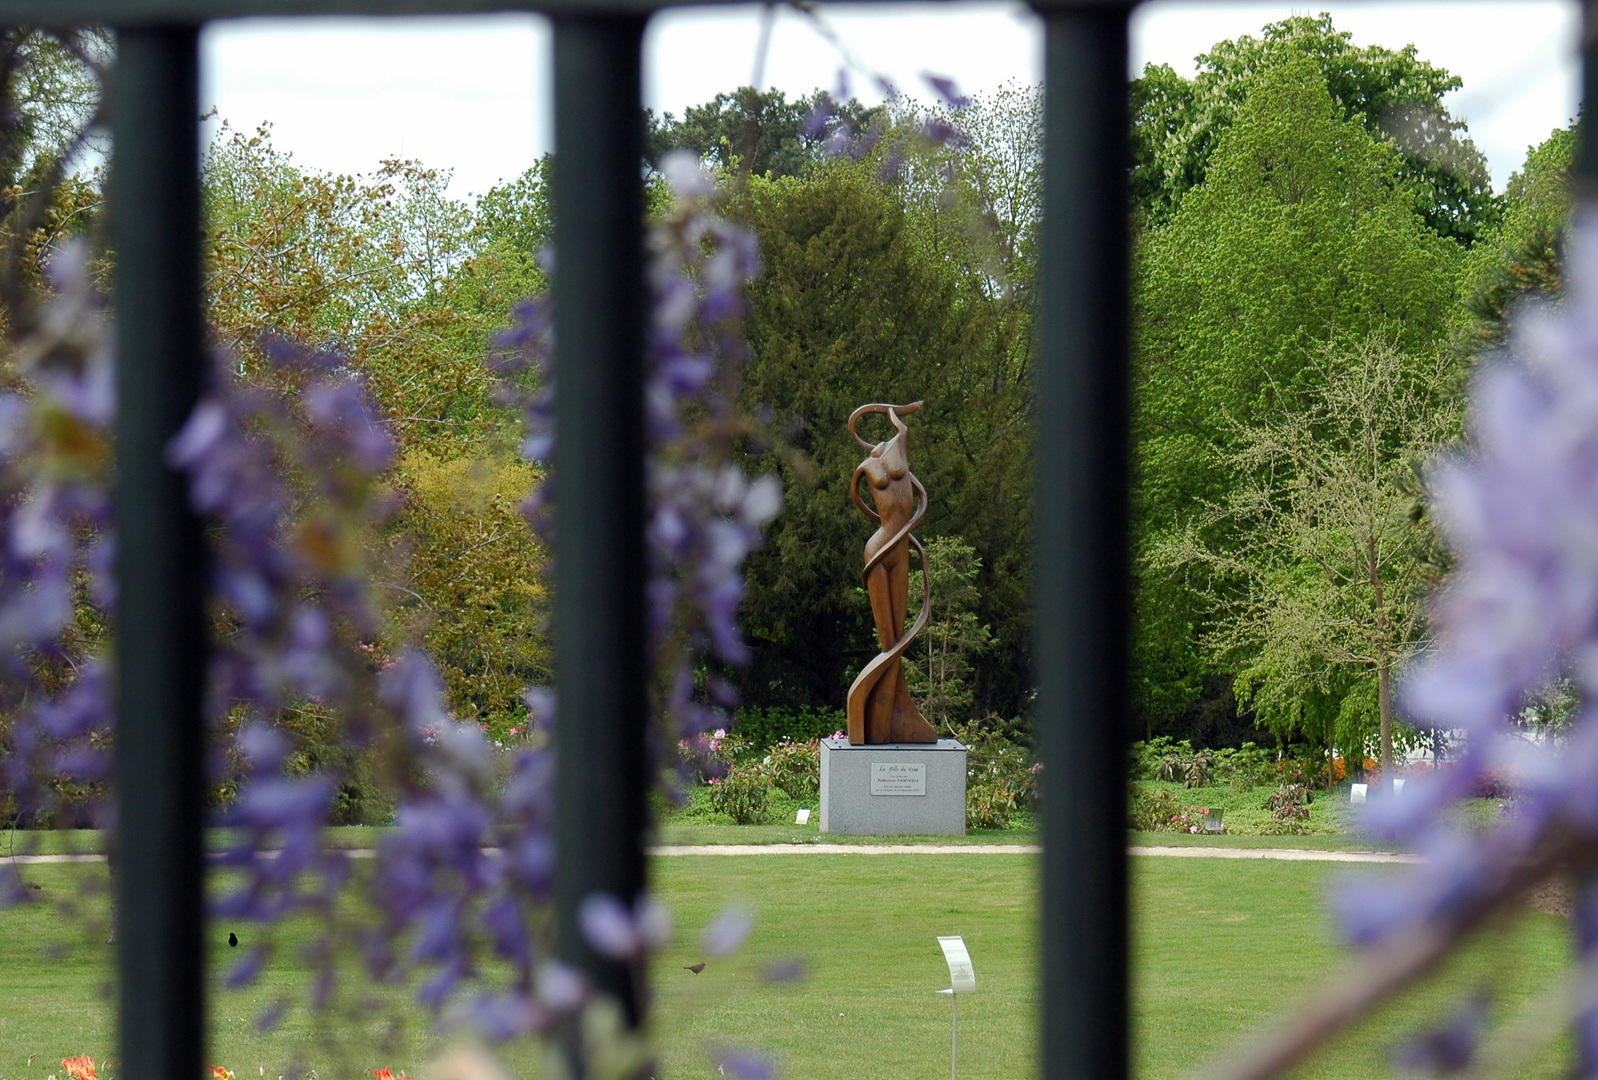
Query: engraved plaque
[{"x": 898, "y": 778}]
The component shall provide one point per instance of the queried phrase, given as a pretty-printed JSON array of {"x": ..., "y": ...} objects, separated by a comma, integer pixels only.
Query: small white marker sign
[
  {"x": 802, "y": 817},
  {"x": 962, "y": 976},
  {"x": 898, "y": 778},
  {"x": 1356, "y": 792}
]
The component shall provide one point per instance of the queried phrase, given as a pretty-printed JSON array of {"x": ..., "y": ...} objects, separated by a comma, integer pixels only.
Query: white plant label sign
[
  {"x": 898, "y": 778},
  {"x": 962, "y": 976}
]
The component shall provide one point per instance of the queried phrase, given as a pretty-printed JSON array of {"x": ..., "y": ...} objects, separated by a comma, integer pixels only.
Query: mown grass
[
  {"x": 1222, "y": 946},
  {"x": 1218, "y": 947}
]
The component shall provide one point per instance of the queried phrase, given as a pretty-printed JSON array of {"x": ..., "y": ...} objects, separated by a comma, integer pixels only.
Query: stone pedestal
[{"x": 893, "y": 789}]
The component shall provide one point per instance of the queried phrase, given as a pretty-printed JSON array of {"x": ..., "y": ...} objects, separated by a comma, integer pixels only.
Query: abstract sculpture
[{"x": 880, "y": 709}]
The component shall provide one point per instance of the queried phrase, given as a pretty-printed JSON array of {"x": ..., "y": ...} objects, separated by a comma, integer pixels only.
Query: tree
[
  {"x": 939, "y": 666},
  {"x": 861, "y": 301},
  {"x": 1329, "y": 593},
  {"x": 467, "y": 578},
  {"x": 1297, "y": 237},
  {"x": 407, "y": 286},
  {"x": 760, "y": 131},
  {"x": 49, "y": 113},
  {"x": 1395, "y": 96},
  {"x": 1522, "y": 257}
]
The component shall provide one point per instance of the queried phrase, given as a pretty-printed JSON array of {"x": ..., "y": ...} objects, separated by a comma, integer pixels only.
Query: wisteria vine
[{"x": 292, "y": 472}]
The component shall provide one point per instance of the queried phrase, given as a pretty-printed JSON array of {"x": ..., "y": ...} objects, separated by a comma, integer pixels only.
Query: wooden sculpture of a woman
[{"x": 880, "y": 709}]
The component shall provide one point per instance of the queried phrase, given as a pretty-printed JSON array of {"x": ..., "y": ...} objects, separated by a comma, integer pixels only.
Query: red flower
[{"x": 79, "y": 1068}]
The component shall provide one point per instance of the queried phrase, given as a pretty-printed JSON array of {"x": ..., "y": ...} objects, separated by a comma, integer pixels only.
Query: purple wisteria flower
[
  {"x": 56, "y": 547},
  {"x": 706, "y": 514}
]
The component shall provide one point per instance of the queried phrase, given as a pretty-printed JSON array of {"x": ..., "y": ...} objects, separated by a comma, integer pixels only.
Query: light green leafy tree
[
  {"x": 467, "y": 580},
  {"x": 939, "y": 665},
  {"x": 1328, "y": 593},
  {"x": 1395, "y": 96},
  {"x": 1522, "y": 256},
  {"x": 1298, "y": 236}
]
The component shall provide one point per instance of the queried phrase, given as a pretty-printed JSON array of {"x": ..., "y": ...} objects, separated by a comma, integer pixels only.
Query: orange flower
[
  {"x": 79, "y": 1068},
  {"x": 219, "y": 1073},
  {"x": 385, "y": 1073}
]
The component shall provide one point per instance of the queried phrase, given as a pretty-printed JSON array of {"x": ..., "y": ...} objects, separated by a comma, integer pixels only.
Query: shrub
[
  {"x": 1290, "y": 795},
  {"x": 1290, "y": 772},
  {"x": 707, "y": 755},
  {"x": 989, "y": 804},
  {"x": 743, "y": 794},
  {"x": 1490, "y": 785},
  {"x": 761, "y": 729},
  {"x": 993, "y": 757},
  {"x": 1153, "y": 809},
  {"x": 1149, "y": 757},
  {"x": 1289, "y": 806},
  {"x": 1197, "y": 769},
  {"x": 1246, "y": 767},
  {"x": 794, "y": 768},
  {"x": 1159, "y": 810},
  {"x": 1290, "y": 824}
]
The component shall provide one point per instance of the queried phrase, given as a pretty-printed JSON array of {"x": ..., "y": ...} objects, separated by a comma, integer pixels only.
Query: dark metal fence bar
[
  {"x": 1587, "y": 144},
  {"x": 599, "y": 497},
  {"x": 161, "y": 642},
  {"x": 1083, "y": 591}
]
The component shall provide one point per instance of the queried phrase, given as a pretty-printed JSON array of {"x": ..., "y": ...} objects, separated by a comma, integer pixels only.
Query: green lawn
[{"x": 1219, "y": 946}]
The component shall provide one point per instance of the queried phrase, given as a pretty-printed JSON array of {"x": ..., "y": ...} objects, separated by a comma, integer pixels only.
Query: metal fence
[{"x": 1082, "y": 585}]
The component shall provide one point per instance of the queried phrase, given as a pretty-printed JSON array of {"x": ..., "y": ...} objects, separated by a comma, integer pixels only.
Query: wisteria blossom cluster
[
  {"x": 705, "y": 513},
  {"x": 838, "y": 134},
  {"x": 56, "y": 548},
  {"x": 294, "y": 477},
  {"x": 1519, "y": 506}
]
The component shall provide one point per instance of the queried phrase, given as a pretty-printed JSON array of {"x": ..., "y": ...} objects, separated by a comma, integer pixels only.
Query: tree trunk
[
  {"x": 1384, "y": 704},
  {"x": 1384, "y": 665}
]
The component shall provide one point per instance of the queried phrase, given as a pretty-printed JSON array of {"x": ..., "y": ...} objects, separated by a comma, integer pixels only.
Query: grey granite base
[{"x": 893, "y": 789}]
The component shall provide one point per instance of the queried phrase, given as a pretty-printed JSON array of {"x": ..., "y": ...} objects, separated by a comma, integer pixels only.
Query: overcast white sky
[{"x": 472, "y": 94}]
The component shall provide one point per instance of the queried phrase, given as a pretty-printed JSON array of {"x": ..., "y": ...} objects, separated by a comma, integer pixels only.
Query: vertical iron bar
[
  {"x": 155, "y": 209},
  {"x": 1083, "y": 588},
  {"x": 599, "y": 477},
  {"x": 1586, "y": 139}
]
